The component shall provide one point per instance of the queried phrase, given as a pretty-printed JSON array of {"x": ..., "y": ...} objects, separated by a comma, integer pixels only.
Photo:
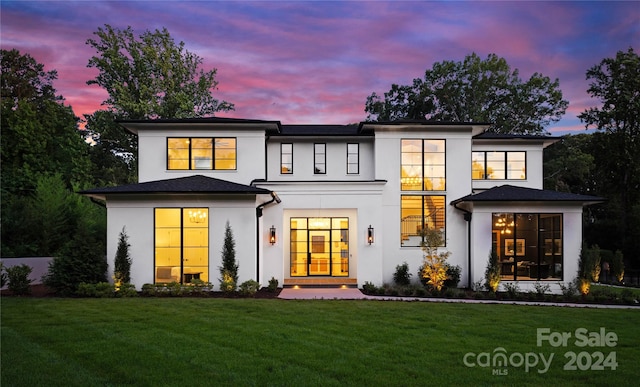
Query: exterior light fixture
[
  {"x": 272, "y": 235},
  {"x": 370, "y": 235}
]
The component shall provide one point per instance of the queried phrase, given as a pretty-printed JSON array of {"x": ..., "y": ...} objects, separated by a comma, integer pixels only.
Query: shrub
[
  {"x": 229, "y": 268},
  {"x": 617, "y": 266},
  {"x": 122, "y": 263},
  {"x": 249, "y": 288},
  {"x": 433, "y": 271},
  {"x": 99, "y": 290},
  {"x": 369, "y": 288},
  {"x": 492, "y": 273},
  {"x": 512, "y": 289},
  {"x": 402, "y": 277},
  {"x": 453, "y": 276},
  {"x": 273, "y": 285},
  {"x": 82, "y": 260},
  {"x": 541, "y": 289},
  {"x": 127, "y": 290},
  {"x": 18, "y": 276},
  {"x": 569, "y": 290}
]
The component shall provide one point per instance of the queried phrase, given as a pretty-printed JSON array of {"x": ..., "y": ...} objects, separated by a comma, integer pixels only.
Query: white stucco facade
[{"x": 341, "y": 208}]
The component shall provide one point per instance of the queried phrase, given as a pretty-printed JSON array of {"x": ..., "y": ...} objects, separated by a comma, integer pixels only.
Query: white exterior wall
[
  {"x": 458, "y": 184},
  {"x": 482, "y": 226},
  {"x": 152, "y": 155},
  {"x": 360, "y": 202},
  {"x": 137, "y": 216},
  {"x": 534, "y": 164},
  {"x": 303, "y": 159},
  {"x": 371, "y": 197}
]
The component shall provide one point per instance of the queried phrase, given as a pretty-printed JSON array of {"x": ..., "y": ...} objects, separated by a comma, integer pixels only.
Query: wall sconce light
[
  {"x": 370, "y": 234},
  {"x": 272, "y": 235}
]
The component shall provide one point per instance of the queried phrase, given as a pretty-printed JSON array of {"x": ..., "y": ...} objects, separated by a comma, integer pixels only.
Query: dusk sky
[{"x": 306, "y": 62}]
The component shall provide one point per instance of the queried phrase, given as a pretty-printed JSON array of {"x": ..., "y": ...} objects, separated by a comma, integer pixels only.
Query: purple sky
[{"x": 316, "y": 62}]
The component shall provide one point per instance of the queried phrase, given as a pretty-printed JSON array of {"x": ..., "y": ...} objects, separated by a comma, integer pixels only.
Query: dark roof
[
  {"x": 425, "y": 122},
  {"x": 500, "y": 136},
  {"x": 190, "y": 184},
  {"x": 521, "y": 194},
  {"x": 197, "y": 120},
  {"x": 319, "y": 130}
]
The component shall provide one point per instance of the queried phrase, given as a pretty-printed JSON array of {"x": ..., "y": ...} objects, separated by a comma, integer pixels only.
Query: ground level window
[
  {"x": 529, "y": 246},
  {"x": 319, "y": 247},
  {"x": 181, "y": 245}
]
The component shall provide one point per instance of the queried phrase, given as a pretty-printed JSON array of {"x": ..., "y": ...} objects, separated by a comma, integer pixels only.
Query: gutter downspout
[
  {"x": 274, "y": 198},
  {"x": 467, "y": 217}
]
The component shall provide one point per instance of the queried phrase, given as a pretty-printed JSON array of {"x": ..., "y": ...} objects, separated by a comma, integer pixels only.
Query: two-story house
[{"x": 339, "y": 204}]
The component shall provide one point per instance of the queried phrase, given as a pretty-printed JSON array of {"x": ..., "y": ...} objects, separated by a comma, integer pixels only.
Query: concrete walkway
[{"x": 356, "y": 294}]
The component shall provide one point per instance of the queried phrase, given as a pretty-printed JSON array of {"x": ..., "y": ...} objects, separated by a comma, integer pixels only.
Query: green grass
[{"x": 239, "y": 342}]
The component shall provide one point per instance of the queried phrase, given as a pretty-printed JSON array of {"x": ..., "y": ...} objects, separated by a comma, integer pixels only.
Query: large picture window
[
  {"x": 190, "y": 153},
  {"x": 529, "y": 246},
  {"x": 423, "y": 165},
  {"x": 181, "y": 245},
  {"x": 419, "y": 213},
  {"x": 499, "y": 165}
]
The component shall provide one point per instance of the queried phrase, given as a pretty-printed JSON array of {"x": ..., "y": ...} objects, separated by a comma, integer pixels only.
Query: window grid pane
[
  {"x": 353, "y": 158},
  {"x": 420, "y": 212},
  {"x": 319, "y": 158},
  {"x": 286, "y": 158}
]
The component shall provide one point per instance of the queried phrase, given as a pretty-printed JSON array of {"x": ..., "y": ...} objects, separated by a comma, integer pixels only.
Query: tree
[
  {"x": 44, "y": 158},
  {"x": 474, "y": 90},
  {"x": 616, "y": 83},
  {"x": 152, "y": 76},
  {"x": 122, "y": 262},
  {"x": 569, "y": 165},
  {"x": 229, "y": 268},
  {"x": 146, "y": 77}
]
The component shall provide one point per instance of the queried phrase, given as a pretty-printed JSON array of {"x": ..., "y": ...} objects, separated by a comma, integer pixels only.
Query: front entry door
[
  {"x": 319, "y": 252},
  {"x": 319, "y": 247}
]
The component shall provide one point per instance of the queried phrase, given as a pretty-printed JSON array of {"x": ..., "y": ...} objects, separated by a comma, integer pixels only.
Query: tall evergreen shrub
[
  {"x": 122, "y": 264},
  {"x": 229, "y": 269}
]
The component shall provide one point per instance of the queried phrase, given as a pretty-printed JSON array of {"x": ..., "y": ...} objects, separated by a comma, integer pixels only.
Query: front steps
[{"x": 321, "y": 282}]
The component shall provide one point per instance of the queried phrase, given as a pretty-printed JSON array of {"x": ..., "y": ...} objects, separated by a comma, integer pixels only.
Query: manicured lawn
[{"x": 238, "y": 342}]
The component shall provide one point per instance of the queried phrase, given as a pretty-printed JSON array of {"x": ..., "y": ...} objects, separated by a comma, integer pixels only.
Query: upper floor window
[
  {"x": 186, "y": 153},
  {"x": 320, "y": 158},
  {"x": 499, "y": 165},
  {"x": 353, "y": 159},
  {"x": 286, "y": 158},
  {"x": 423, "y": 165}
]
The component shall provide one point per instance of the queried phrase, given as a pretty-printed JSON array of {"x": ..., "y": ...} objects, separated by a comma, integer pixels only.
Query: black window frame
[
  {"x": 282, "y": 163},
  {"x": 316, "y": 170},
  {"x": 357, "y": 154},
  {"x": 506, "y": 165},
  {"x": 213, "y": 154}
]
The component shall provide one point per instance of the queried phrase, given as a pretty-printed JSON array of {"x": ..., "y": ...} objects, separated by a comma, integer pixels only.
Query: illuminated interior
[
  {"x": 423, "y": 165},
  {"x": 499, "y": 165},
  {"x": 201, "y": 153},
  {"x": 181, "y": 244},
  {"x": 319, "y": 247},
  {"x": 529, "y": 245},
  {"x": 418, "y": 212}
]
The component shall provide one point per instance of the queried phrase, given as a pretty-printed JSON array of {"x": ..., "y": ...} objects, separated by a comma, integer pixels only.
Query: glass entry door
[
  {"x": 319, "y": 252},
  {"x": 319, "y": 247}
]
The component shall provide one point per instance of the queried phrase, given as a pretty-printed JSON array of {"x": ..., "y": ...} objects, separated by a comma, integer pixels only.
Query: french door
[{"x": 319, "y": 247}]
